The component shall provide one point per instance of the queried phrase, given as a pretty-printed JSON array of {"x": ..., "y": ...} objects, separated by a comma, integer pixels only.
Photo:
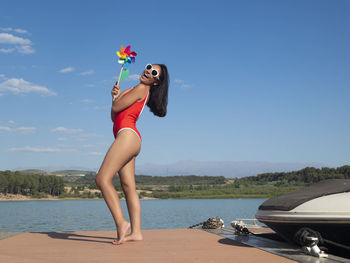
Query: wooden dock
[{"x": 165, "y": 245}]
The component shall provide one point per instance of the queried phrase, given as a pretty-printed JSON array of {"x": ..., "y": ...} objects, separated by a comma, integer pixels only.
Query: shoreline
[
  {"x": 16, "y": 197},
  {"x": 13, "y": 197}
]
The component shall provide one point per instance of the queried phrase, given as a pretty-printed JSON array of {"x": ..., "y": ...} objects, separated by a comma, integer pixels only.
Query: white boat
[{"x": 323, "y": 207}]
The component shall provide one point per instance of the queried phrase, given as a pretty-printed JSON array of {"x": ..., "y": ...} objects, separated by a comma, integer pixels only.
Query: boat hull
[
  {"x": 337, "y": 232},
  {"x": 329, "y": 215}
]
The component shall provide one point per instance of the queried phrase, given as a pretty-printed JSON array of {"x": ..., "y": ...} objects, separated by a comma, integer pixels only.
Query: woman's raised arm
[{"x": 124, "y": 101}]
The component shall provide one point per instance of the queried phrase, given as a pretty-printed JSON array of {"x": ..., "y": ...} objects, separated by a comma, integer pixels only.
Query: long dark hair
[{"x": 158, "y": 99}]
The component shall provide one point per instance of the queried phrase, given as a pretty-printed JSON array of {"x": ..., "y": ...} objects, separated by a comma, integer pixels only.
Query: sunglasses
[{"x": 154, "y": 72}]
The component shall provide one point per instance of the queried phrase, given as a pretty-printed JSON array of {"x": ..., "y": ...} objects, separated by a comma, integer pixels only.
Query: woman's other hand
[{"x": 115, "y": 91}]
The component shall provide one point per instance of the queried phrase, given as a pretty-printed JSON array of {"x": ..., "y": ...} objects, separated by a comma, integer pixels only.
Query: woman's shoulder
[
  {"x": 141, "y": 87},
  {"x": 141, "y": 90}
]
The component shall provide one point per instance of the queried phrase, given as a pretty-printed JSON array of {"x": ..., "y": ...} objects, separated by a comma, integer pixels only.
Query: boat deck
[{"x": 165, "y": 245}]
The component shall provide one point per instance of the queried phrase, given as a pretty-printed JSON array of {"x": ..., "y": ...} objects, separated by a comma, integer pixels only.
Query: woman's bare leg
[
  {"x": 127, "y": 179},
  {"x": 123, "y": 149}
]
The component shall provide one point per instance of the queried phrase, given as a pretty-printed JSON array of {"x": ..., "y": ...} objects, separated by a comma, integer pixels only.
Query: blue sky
[{"x": 250, "y": 80}]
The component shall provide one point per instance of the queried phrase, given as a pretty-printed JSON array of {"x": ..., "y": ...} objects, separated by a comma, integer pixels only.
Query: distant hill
[
  {"x": 57, "y": 173},
  {"x": 71, "y": 173},
  {"x": 227, "y": 169},
  {"x": 33, "y": 171}
]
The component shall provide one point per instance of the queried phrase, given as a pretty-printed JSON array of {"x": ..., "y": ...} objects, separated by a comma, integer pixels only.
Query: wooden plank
[{"x": 164, "y": 245}]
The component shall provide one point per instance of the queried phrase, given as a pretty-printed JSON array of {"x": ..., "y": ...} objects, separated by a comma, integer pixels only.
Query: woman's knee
[
  {"x": 101, "y": 181},
  {"x": 98, "y": 182},
  {"x": 128, "y": 188}
]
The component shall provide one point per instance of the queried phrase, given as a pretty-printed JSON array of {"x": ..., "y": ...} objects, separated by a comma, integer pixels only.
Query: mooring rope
[
  {"x": 211, "y": 223},
  {"x": 304, "y": 235}
]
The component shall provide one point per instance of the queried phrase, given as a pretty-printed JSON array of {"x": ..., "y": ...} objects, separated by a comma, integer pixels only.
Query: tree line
[
  {"x": 171, "y": 186},
  {"x": 17, "y": 183},
  {"x": 160, "y": 180},
  {"x": 307, "y": 175}
]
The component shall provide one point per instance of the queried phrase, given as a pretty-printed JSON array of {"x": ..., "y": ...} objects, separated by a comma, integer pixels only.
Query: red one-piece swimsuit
[{"x": 126, "y": 119}]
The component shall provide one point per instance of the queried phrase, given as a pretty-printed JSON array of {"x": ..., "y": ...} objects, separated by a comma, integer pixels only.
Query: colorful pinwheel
[{"x": 126, "y": 57}]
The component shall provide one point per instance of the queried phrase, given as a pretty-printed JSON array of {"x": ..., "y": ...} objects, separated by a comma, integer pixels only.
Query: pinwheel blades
[{"x": 126, "y": 57}]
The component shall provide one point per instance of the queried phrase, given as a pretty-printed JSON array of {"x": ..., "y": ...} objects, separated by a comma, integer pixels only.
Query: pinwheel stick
[{"x": 120, "y": 73}]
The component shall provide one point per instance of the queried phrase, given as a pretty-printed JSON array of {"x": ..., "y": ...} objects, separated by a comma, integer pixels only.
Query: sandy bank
[{"x": 17, "y": 197}]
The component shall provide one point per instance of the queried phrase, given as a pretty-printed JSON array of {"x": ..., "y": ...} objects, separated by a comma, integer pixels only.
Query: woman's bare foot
[
  {"x": 121, "y": 233},
  {"x": 134, "y": 237}
]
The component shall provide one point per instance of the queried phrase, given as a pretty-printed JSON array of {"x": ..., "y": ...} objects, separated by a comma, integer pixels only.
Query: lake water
[{"x": 81, "y": 215}]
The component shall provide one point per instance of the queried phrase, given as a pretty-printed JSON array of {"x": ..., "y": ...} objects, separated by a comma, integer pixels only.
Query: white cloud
[
  {"x": 80, "y": 139},
  {"x": 25, "y": 49},
  {"x": 178, "y": 81},
  {"x": 17, "y": 30},
  {"x": 21, "y": 31},
  {"x": 133, "y": 77},
  {"x": 87, "y": 101},
  {"x": 185, "y": 86},
  {"x": 96, "y": 145},
  {"x": 101, "y": 107},
  {"x": 6, "y": 50},
  {"x": 6, "y": 38},
  {"x": 84, "y": 137},
  {"x": 66, "y": 70},
  {"x": 88, "y": 146},
  {"x": 26, "y": 130},
  {"x": 5, "y": 129},
  {"x": 96, "y": 153},
  {"x": 3, "y": 77},
  {"x": 35, "y": 149},
  {"x": 23, "y": 130},
  {"x": 17, "y": 86},
  {"x": 22, "y": 45},
  {"x": 89, "y": 72},
  {"x": 66, "y": 130},
  {"x": 182, "y": 84},
  {"x": 11, "y": 122}
]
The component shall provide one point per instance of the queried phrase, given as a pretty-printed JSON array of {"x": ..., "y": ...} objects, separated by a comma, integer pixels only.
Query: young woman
[{"x": 120, "y": 158}]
